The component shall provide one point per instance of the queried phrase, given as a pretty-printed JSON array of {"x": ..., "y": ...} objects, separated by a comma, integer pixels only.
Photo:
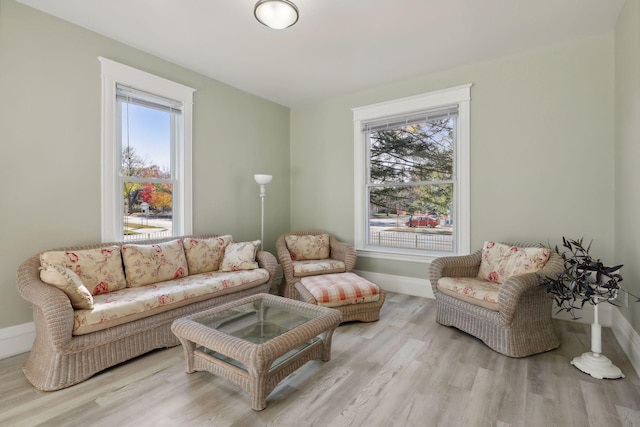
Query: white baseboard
[
  {"x": 400, "y": 284},
  {"x": 16, "y": 339},
  {"x": 628, "y": 338}
]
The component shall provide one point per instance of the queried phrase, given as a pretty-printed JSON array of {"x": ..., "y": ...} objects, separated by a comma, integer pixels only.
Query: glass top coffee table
[{"x": 257, "y": 341}]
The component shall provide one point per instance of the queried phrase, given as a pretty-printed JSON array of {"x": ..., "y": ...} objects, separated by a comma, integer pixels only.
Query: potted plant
[{"x": 583, "y": 280}]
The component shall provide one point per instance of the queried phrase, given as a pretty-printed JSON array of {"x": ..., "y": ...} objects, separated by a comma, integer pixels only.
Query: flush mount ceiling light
[{"x": 276, "y": 14}]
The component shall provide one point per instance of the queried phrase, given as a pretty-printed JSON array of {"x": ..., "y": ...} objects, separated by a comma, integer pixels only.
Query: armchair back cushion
[
  {"x": 308, "y": 247},
  {"x": 500, "y": 261}
]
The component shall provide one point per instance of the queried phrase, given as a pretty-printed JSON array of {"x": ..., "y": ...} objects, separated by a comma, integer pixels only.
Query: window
[
  {"x": 412, "y": 176},
  {"x": 146, "y": 154}
]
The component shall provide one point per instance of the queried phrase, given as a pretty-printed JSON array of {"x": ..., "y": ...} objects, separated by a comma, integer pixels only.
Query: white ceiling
[{"x": 337, "y": 46}]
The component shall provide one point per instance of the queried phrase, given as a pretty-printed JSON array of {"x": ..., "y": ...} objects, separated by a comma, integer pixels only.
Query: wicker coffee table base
[{"x": 259, "y": 379}]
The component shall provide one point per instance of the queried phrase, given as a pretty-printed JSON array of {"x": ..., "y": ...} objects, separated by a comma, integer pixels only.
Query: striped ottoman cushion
[{"x": 334, "y": 290}]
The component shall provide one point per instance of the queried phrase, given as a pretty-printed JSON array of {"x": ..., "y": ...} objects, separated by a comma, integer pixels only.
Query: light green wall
[
  {"x": 50, "y": 140},
  {"x": 541, "y": 139},
  {"x": 542, "y": 126},
  {"x": 627, "y": 153}
]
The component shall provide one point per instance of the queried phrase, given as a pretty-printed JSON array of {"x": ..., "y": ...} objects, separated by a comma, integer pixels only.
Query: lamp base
[{"x": 597, "y": 365}]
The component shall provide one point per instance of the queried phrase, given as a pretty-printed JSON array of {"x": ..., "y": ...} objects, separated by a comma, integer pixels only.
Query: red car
[{"x": 423, "y": 221}]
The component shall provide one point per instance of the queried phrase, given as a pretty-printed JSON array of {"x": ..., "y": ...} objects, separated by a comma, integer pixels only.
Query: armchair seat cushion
[
  {"x": 317, "y": 266},
  {"x": 473, "y": 290}
]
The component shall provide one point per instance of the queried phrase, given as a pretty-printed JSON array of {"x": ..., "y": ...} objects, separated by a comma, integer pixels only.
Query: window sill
[{"x": 391, "y": 255}]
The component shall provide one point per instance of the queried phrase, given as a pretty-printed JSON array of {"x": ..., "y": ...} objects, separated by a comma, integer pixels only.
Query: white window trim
[
  {"x": 113, "y": 72},
  {"x": 459, "y": 95}
]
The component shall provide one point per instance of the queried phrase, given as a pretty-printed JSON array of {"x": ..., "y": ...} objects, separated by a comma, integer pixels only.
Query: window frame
[
  {"x": 458, "y": 95},
  {"x": 113, "y": 73}
]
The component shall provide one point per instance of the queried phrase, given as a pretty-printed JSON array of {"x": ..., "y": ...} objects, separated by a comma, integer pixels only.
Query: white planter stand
[{"x": 594, "y": 362}]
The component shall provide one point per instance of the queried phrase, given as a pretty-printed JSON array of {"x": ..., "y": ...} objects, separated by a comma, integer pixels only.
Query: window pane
[
  {"x": 412, "y": 217},
  {"x": 413, "y": 153},
  {"x": 146, "y": 140},
  {"x": 148, "y": 210}
]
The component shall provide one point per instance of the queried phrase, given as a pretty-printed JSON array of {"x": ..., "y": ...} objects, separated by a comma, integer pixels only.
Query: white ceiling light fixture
[{"x": 276, "y": 14}]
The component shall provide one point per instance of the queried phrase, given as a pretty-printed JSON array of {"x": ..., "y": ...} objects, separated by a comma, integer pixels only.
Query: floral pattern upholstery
[
  {"x": 100, "y": 270},
  {"x": 240, "y": 256},
  {"x": 500, "y": 261},
  {"x": 314, "y": 267},
  {"x": 307, "y": 247},
  {"x": 335, "y": 290},
  {"x": 130, "y": 304},
  {"x": 69, "y": 283},
  {"x": 204, "y": 255},
  {"x": 472, "y": 290},
  {"x": 147, "y": 264}
]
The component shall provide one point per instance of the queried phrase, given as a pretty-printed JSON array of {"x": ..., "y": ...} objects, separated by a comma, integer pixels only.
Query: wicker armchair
[
  {"x": 338, "y": 251},
  {"x": 522, "y": 325}
]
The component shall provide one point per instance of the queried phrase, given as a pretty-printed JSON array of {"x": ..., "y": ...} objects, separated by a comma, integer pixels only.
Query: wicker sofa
[{"x": 69, "y": 349}]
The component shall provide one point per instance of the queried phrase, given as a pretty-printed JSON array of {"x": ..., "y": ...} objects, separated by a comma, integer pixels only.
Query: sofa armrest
[
  {"x": 454, "y": 266},
  {"x": 52, "y": 310},
  {"x": 267, "y": 261},
  {"x": 285, "y": 258},
  {"x": 512, "y": 290},
  {"x": 343, "y": 252}
]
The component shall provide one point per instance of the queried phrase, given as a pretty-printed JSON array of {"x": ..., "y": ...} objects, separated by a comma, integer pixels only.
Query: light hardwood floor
[{"x": 404, "y": 370}]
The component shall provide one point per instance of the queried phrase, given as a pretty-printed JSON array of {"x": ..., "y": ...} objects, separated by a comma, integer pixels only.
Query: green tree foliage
[
  {"x": 158, "y": 195},
  {"x": 407, "y": 165},
  {"x": 132, "y": 165}
]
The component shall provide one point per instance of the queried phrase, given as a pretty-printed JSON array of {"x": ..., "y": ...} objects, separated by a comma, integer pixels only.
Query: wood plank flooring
[{"x": 404, "y": 370}]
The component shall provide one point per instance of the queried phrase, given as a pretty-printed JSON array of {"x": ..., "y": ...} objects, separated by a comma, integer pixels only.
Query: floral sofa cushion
[
  {"x": 311, "y": 246},
  {"x": 69, "y": 283},
  {"x": 314, "y": 267},
  {"x": 335, "y": 290},
  {"x": 473, "y": 290},
  {"x": 204, "y": 255},
  {"x": 100, "y": 270},
  {"x": 126, "y": 305},
  {"x": 500, "y": 261},
  {"x": 240, "y": 256},
  {"x": 147, "y": 264}
]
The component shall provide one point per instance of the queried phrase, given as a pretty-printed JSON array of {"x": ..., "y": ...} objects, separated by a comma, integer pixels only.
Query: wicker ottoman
[{"x": 357, "y": 298}]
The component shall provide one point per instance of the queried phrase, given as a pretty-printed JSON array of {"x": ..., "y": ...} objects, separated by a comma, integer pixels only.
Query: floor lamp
[{"x": 262, "y": 180}]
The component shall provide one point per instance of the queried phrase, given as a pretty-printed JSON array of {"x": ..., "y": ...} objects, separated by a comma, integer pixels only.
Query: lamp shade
[
  {"x": 262, "y": 179},
  {"x": 276, "y": 14}
]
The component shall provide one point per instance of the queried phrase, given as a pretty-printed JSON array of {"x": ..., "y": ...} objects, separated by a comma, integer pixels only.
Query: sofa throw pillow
[
  {"x": 500, "y": 261},
  {"x": 69, "y": 283},
  {"x": 240, "y": 256},
  {"x": 100, "y": 270},
  {"x": 204, "y": 255},
  {"x": 147, "y": 264},
  {"x": 311, "y": 246}
]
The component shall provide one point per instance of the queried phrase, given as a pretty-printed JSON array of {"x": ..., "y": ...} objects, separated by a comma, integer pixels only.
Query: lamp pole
[{"x": 262, "y": 180}]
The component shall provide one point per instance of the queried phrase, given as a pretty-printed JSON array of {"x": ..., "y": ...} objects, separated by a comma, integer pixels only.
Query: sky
[{"x": 149, "y": 134}]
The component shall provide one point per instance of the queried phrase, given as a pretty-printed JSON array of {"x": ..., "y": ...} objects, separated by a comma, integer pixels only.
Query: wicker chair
[
  {"x": 522, "y": 325},
  {"x": 338, "y": 251}
]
